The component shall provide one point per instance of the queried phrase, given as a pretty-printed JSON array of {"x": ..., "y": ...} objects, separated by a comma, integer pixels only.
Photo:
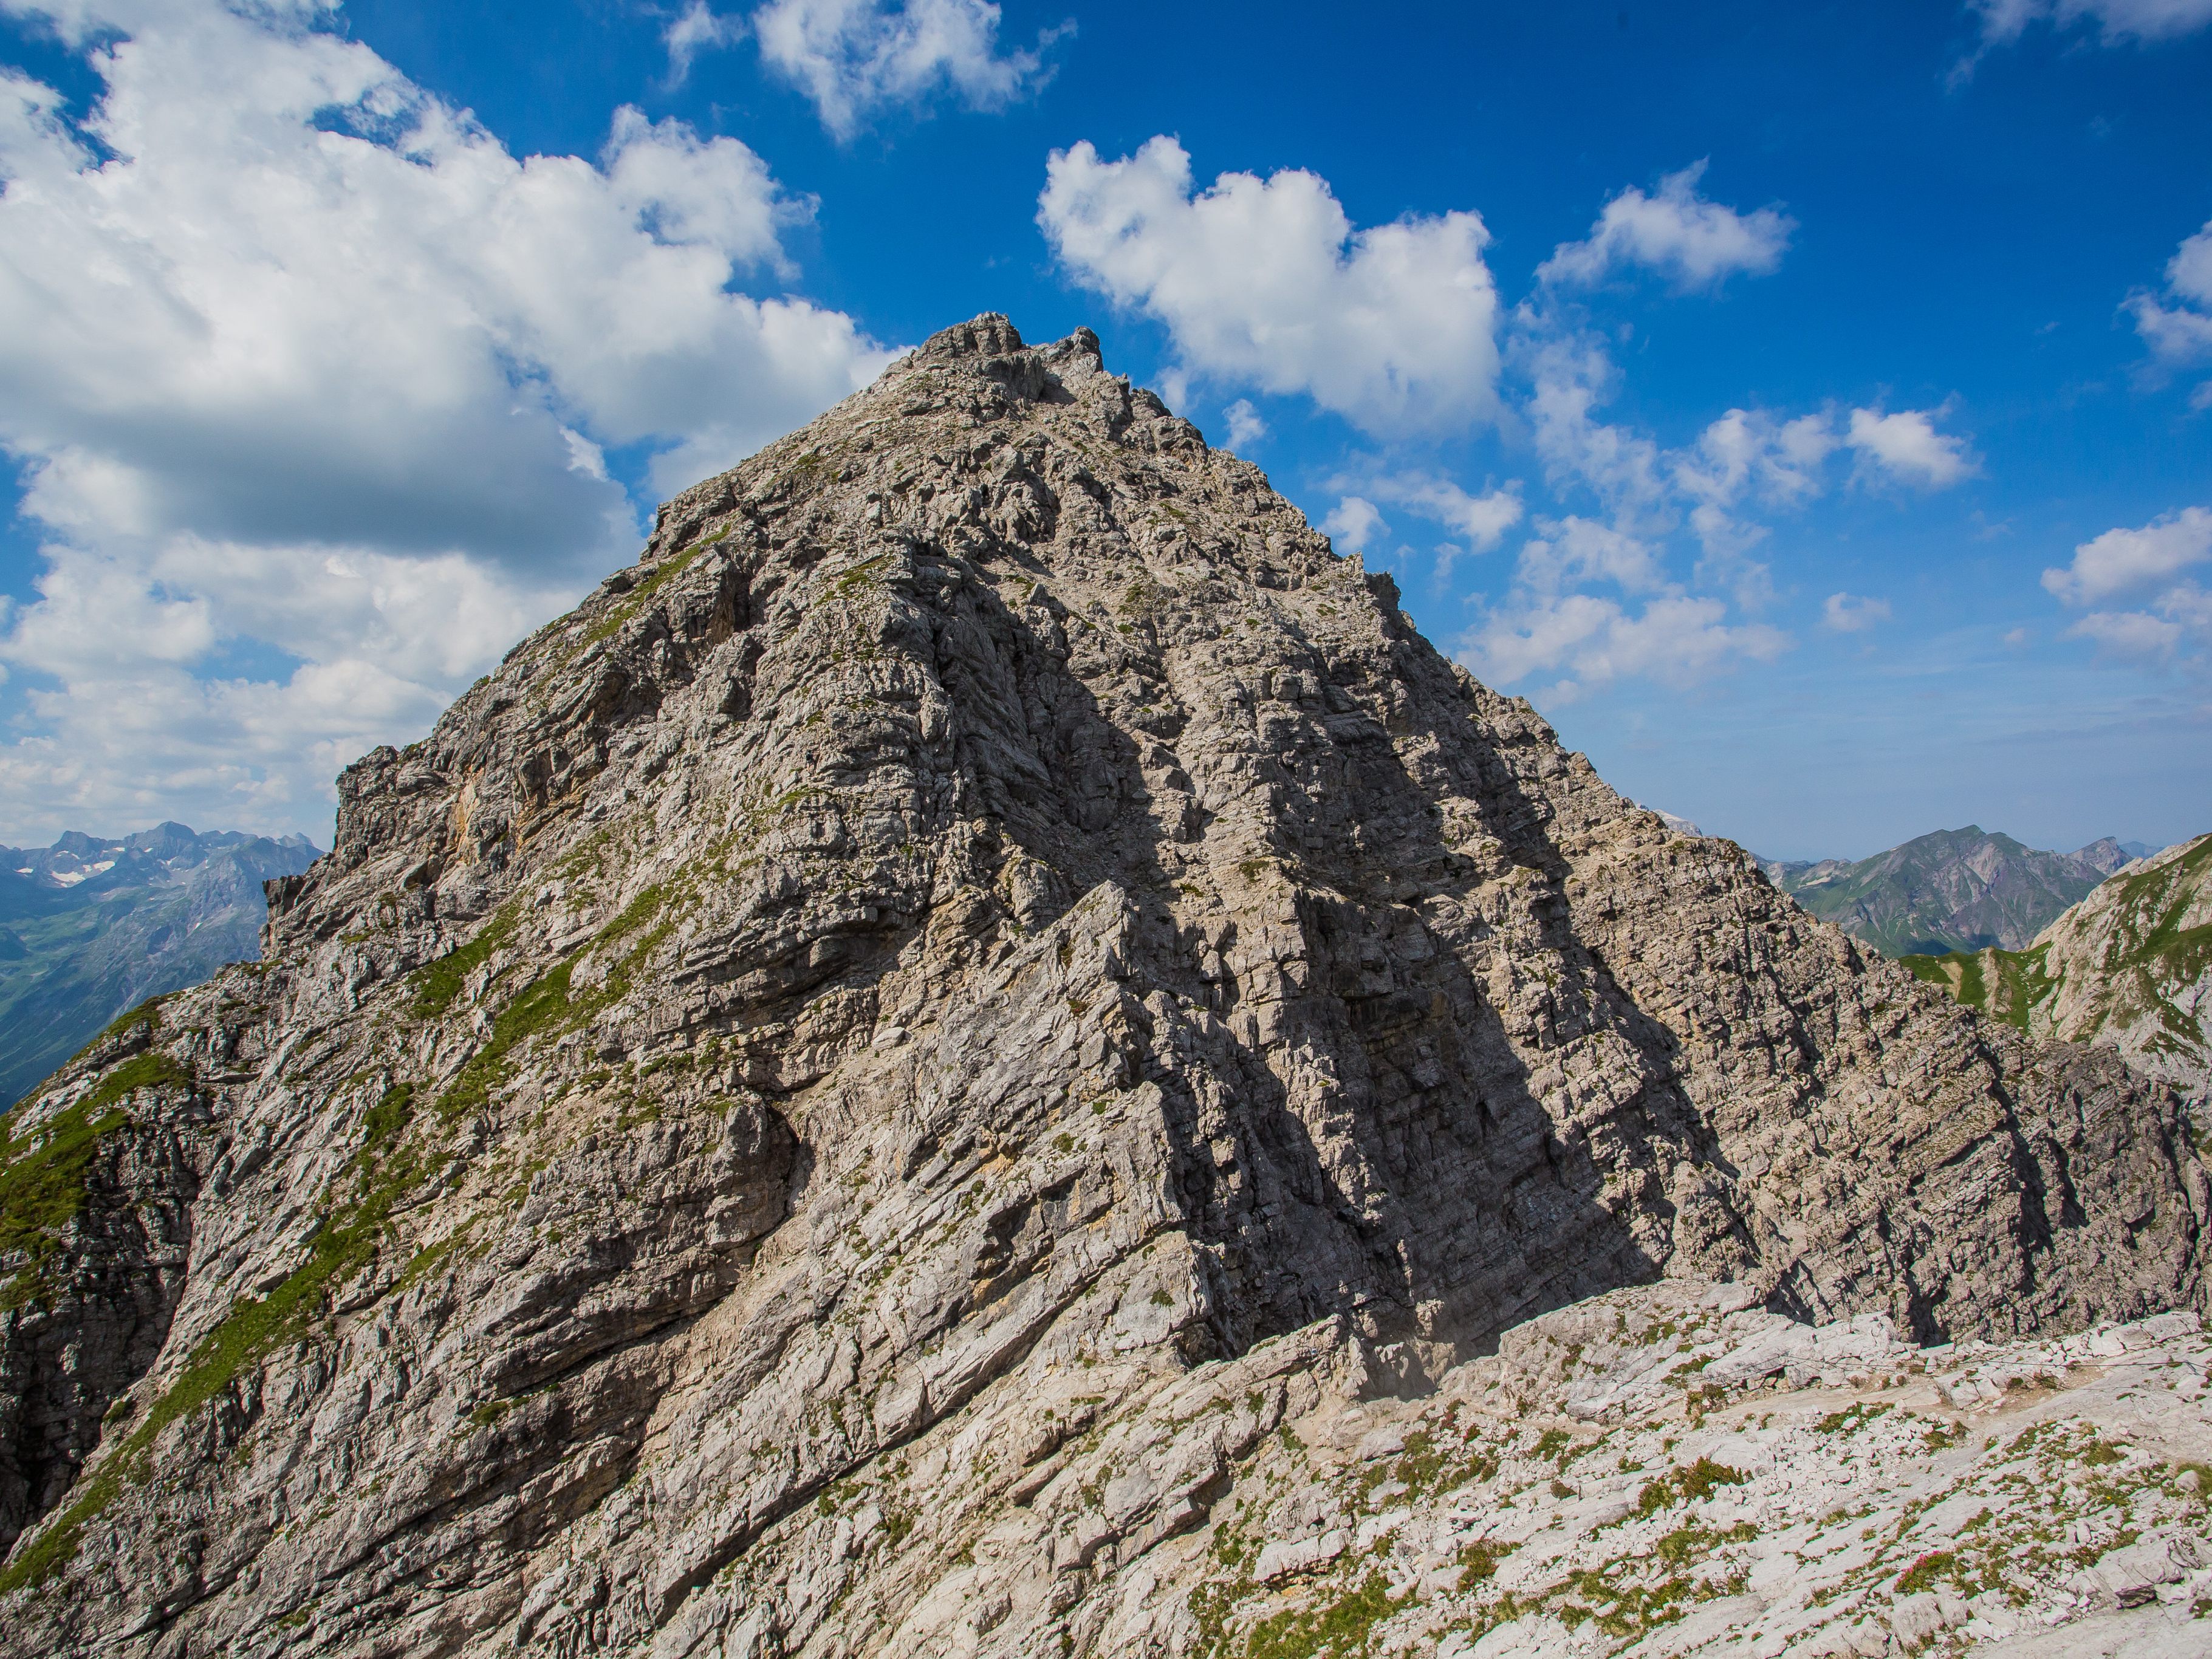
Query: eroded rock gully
[{"x": 838, "y": 1099}]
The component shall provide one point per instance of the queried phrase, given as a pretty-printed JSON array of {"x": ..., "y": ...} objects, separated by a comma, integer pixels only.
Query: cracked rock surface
[{"x": 855, "y": 1093}]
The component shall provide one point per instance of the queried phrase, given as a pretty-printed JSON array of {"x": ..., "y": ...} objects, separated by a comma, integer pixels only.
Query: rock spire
[{"x": 989, "y": 936}]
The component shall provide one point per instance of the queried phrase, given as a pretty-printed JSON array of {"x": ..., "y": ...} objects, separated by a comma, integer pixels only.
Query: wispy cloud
[
  {"x": 2176, "y": 324},
  {"x": 1246, "y": 428},
  {"x": 1841, "y": 613},
  {"x": 695, "y": 30},
  {"x": 854, "y": 57},
  {"x": 2003, "y": 22}
]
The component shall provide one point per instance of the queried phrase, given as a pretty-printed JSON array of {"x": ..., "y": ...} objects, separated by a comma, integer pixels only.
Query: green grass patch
[
  {"x": 1479, "y": 1561},
  {"x": 2005, "y": 985},
  {"x": 1688, "y": 1545},
  {"x": 634, "y": 915},
  {"x": 146, "y": 1014},
  {"x": 44, "y": 1172},
  {"x": 42, "y": 1190},
  {"x": 547, "y": 1002},
  {"x": 634, "y": 600},
  {"x": 1843, "y": 1421},
  {"x": 146, "y": 1071},
  {"x": 1689, "y": 1484},
  {"x": 438, "y": 984},
  {"x": 1340, "y": 1628},
  {"x": 1936, "y": 1567},
  {"x": 381, "y": 1174},
  {"x": 543, "y": 1002},
  {"x": 860, "y": 576}
]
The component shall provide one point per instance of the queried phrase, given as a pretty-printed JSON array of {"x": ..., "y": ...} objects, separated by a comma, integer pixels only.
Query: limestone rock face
[{"x": 838, "y": 1101}]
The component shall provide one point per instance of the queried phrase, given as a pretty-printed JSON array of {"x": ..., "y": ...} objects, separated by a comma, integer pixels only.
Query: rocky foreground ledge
[{"x": 1659, "y": 1471}]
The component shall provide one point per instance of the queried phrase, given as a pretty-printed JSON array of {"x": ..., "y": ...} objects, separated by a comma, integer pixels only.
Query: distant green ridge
[
  {"x": 2005, "y": 985},
  {"x": 1949, "y": 892}
]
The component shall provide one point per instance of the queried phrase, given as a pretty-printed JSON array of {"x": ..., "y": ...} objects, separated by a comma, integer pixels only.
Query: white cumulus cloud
[
  {"x": 1549, "y": 623},
  {"x": 2144, "y": 564},
  {"x": 1906, "y": 447},
  {"x": 855, "y": 56},
  {"x": 1745, "y": 457},
  {"x": 1571, "y": 551},
  {"x": 1696, "y": 242},
  {"x": 273, "y": 299},
  {"x": 1752, "y": 452},
  {"x": 1480, "y": 521},
  {"x": 1676, "y": 641},
  {"x": 1356, "y": 522},
  {"x": 1267, "y": 283},
  {"x": 2124, "y": 561},
  {"x": 1571, "y": 377},
  {"x": 2132, "y": 634}
]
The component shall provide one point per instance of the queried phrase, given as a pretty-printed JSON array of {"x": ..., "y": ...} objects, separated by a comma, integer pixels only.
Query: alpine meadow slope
[{"x": 839, "y": 1101}]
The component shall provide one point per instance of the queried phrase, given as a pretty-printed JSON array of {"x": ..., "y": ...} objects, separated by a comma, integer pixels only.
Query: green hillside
[
  {"x": 2129, "y": 966},
  {"x": 1951, "y": 890}
]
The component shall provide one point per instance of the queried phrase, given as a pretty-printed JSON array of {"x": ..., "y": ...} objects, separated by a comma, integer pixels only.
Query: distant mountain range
[
  {"x": 2130, "y": 967},
  {"x": 1954, "y": 890},
  {"x": 91, "y": 927}
]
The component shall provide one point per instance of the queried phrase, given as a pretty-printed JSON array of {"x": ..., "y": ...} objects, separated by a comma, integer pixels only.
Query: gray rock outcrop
[{"x": 838, "y": 1101}]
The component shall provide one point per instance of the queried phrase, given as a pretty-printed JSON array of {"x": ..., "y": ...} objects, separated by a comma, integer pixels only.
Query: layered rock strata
[{"x": 839, "y": 1099}]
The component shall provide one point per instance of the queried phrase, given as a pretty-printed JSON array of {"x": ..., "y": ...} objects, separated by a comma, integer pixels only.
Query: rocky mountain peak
[{"x": 838, "y": 1097}]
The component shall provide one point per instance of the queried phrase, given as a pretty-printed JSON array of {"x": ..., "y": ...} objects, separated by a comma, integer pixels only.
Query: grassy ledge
[
  {"x": 381, "y": 1174},
  {"x": 438, "y": 984},
  {"x": 44, "y": 1176}
]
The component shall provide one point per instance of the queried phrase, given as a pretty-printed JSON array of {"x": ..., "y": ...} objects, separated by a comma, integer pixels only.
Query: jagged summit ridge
[{"x": 991, "y": 929}]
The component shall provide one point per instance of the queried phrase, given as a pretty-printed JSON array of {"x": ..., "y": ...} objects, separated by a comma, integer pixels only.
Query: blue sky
[{"x": 1808, "y": 408}]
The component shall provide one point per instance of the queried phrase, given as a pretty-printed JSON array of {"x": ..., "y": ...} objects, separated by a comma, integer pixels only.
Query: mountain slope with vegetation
[
  {"x": 2130, "y": 967},
  {"x": 1954, "y": 890},
  {"x": 90, "y": 927}
]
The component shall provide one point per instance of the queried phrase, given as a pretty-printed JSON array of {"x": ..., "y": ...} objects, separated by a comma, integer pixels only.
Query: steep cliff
[{"x": 839, "y": 1097}]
